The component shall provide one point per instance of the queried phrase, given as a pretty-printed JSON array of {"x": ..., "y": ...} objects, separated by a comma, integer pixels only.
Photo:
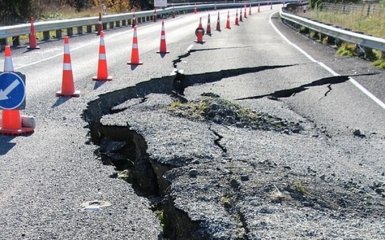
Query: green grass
[
  {"x": 300, "y": 187},
  {"x": 347, "y": 50},
  {"x": 380, "y": 62},
  {"x": 371, "y": 25}
]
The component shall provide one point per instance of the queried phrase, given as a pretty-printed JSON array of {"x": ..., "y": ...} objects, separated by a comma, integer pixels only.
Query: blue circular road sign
[{"x": 12, "y": 90}]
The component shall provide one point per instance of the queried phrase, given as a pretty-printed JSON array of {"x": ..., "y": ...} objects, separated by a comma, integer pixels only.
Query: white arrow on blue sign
[{"x": 12, "y": 90}]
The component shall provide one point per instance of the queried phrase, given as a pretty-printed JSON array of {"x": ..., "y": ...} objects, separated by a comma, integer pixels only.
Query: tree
[
  {"x": 15, "y": 11},
  {"x": 314, "y": 3}
]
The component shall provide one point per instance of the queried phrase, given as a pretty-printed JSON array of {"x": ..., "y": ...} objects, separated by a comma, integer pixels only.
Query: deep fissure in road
[{"x": 127, "y": 150}]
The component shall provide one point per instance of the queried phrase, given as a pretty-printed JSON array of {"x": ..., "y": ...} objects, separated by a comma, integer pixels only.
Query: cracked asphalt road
[{"x": 326, "y": 179}]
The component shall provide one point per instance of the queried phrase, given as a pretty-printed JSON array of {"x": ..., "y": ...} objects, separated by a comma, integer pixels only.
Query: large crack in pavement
[
  {"x": 126, "y": 148},
  {"x": 291, "y": 92},
  {"x": 190, "y": 51},
  {"x": 130, "y": 158}
]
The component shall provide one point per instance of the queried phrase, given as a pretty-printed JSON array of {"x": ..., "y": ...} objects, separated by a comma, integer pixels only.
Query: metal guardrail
[
  {"x": 338, "y": 33},
  {"x": 46, "y": 26}
]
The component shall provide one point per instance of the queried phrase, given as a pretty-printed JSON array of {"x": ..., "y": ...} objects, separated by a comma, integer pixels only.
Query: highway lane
[
  {"x": 48, "y": 174},
  {"x": 45, "y": 177},
  {"x": 271, "y": 75}
]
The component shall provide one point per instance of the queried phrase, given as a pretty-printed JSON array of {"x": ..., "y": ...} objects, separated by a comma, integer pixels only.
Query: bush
[
  {"x": 313, "y": 3},
  {"x": 15, "y": 11}
]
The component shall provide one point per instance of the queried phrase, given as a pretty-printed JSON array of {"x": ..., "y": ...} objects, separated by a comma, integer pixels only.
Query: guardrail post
[
  {"x": 3, "y": 42},
  {"x": 70, "y": 31},
  {"x": 89, "y": 29},
  {"x": 46, "y": 35},
  {"x": 16, "y": 41},
  {"x": 58, "y": 33},
  {"x": 368, "y": 53},
  {"x": 80, "y": 30}
]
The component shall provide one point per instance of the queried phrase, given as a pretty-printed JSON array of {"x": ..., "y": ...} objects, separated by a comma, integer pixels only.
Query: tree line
[{"x": 17, "y": 11}]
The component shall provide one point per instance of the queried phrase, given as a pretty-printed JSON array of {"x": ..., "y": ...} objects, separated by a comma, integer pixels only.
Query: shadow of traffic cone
[
  {"x": 163, "y": 45},
  {"x": 245, "y": 12},
  {"x": 100, "y": 24},
  {"x": 228, "y": 21},
  {"x": 240, "y": 15},
  {"x": 218, "y": 28},
  {"x": 11, "y": 121},
  {"x": 133, "y": 23},
  {"x": 32, "y": 37},
  {"x": 208, "y": 29},
  {"x": 135, "y": 51},
  {"x": 250, "y": 9},
  {"x": 199, "y": 33},
  {"x": 102, "y": 74},
  {"x": 67, "y": 88},
  {"x": 236, "y": 18}
]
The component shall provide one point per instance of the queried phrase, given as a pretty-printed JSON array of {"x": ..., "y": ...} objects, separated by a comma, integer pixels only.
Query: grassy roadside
[{"x": 373, "y": 24}]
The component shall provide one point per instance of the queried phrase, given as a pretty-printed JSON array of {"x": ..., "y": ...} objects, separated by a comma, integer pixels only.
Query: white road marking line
[
  {"x": 189, "y": 48},
  {"x": 354, "y": 82}
]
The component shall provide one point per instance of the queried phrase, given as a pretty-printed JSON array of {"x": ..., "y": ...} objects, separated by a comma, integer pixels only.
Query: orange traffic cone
[
  {"x": 163, "y": 46},
  {"x": 11, "y": 121},
  {"x": 135, "y": 51},
  {"x": 133, "y": 23},
  {"x": 228, "y": 21},
  {"x": 218, "y": 23},
  {"x": 208, "y": 29},
  {"x": 240, "y": 15},
  {"x": 32, "y": 37},
  {"x": 102, "y": 62},
  {"x": 245, "y": 12},
  {"x": 250, "y": 9},
  {"x": 8, "y": 63},
  {"x": 100, "y": 24},
  {"x": 68, "y": 88},
  {"x": 236, "y": 18},
  {"x": 199, "y": 32}
]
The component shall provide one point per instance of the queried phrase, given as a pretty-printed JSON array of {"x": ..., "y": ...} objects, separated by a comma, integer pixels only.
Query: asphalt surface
[{"x": 46, "y": 177}]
